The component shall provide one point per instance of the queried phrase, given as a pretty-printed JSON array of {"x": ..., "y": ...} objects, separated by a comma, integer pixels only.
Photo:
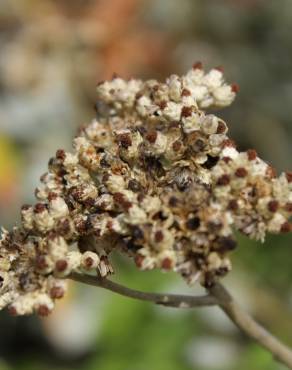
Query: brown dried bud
[
  {"x": 235, "y": 88},
  {"x": 166, "y": 264},
  {"x": 241, "y": 172},
  {"x": 221, "y": 128},
  {"x": 228, "y": 143},
  {"x": 185, "y": 92},
  {"x": 25, "y": 207},
  {"x": 223, "y": 180},
  {"x": 219, "y": 68},
  {"x": 288, "y": 207},
  {"x": 286, "y": 227},
  {"x": 271, "y": 172},
  {"x": 186, "y": 111},
  {"x": 198, "y": 65},
  {"x": 273, "y": 206},
  {"x": 226, "y": 159},
  {"x": 57, "y": 292},
  {"x": 43, "y": 310},
  {"x": 89, "y": 262},
  {"x": 12, "y": 311},
  {"x": 120, "y": 199},
  {"x": 251, "y": 154},
  {"x": 60, "y": 154},
  {"x": 158, "y": 236},
  {"x": 173, "y": 201},
  {"x": 125, "y": 140},
  {"x": 151, "y": 136},
  {"x": 289, "y": 176},
  {"x": 52, "y": 196},
  {"x": 163, "y": 104},
  {"x": 233, "y": 205},
  {"x": 61, "y": 265},
  {"x": 39, "y": 208},
  {"x": 139, "y": 260}
]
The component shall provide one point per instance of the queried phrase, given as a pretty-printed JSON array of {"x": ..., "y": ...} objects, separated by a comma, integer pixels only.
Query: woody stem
[
  {"x": 218, "y": 295},
  {"x": 170, "y": 300}
]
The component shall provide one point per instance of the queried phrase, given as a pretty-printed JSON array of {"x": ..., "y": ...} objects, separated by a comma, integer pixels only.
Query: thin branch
[
  {"x": 169, "y": 300},
  {"x": 218, "y": 295},
  {"x": 250, "y": 327}
]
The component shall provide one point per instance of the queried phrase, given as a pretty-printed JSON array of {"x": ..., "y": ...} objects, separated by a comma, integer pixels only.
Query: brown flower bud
[
  {"x": 57, "y": 292},
  {"x": 273, "y": 206},
  {"x": 241, "y": 172},
  {"x": 61, "y": 265},
  {"x": 43, "y": 310}
]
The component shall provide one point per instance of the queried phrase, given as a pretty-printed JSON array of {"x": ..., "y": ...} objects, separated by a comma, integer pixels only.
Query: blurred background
[{"x": 52, "y": 54}]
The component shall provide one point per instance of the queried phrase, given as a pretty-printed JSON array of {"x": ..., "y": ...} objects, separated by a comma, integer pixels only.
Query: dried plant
[{"x": 154, "y": 177}]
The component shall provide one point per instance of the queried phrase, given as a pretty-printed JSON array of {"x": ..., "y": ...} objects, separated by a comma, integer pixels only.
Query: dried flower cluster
[{"x": 154, "y": 177}]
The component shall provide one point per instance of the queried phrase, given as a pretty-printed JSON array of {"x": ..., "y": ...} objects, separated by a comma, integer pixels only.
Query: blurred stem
[
  {"x": 170, "y": 300},
  {"x": 250, "y": 327},
  {"x": 218, "y": 295}
]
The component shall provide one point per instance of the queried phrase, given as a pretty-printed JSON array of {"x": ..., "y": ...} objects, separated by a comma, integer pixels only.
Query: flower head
[{"x": 153, "y": 176}]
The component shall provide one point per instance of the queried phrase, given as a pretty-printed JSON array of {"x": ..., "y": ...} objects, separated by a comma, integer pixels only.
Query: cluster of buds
[{"x": 153, "y": 176}]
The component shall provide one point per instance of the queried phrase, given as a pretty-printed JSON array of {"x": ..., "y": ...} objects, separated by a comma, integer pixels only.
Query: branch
[
  {"x": 250, "y": 327},
  {"x": 218, "y": 295},
  {"x": 169, "y": 300}
]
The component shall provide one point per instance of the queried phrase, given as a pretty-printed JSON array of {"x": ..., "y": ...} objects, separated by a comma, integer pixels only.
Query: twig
[
  {"x": 170, "y": 300},
  {"x": 218, "y": 295},
  {"x": 250, "y": 327}
]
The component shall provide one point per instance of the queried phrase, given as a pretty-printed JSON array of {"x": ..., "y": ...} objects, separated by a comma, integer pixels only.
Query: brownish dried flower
[{"x": 153, "y": 176}]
